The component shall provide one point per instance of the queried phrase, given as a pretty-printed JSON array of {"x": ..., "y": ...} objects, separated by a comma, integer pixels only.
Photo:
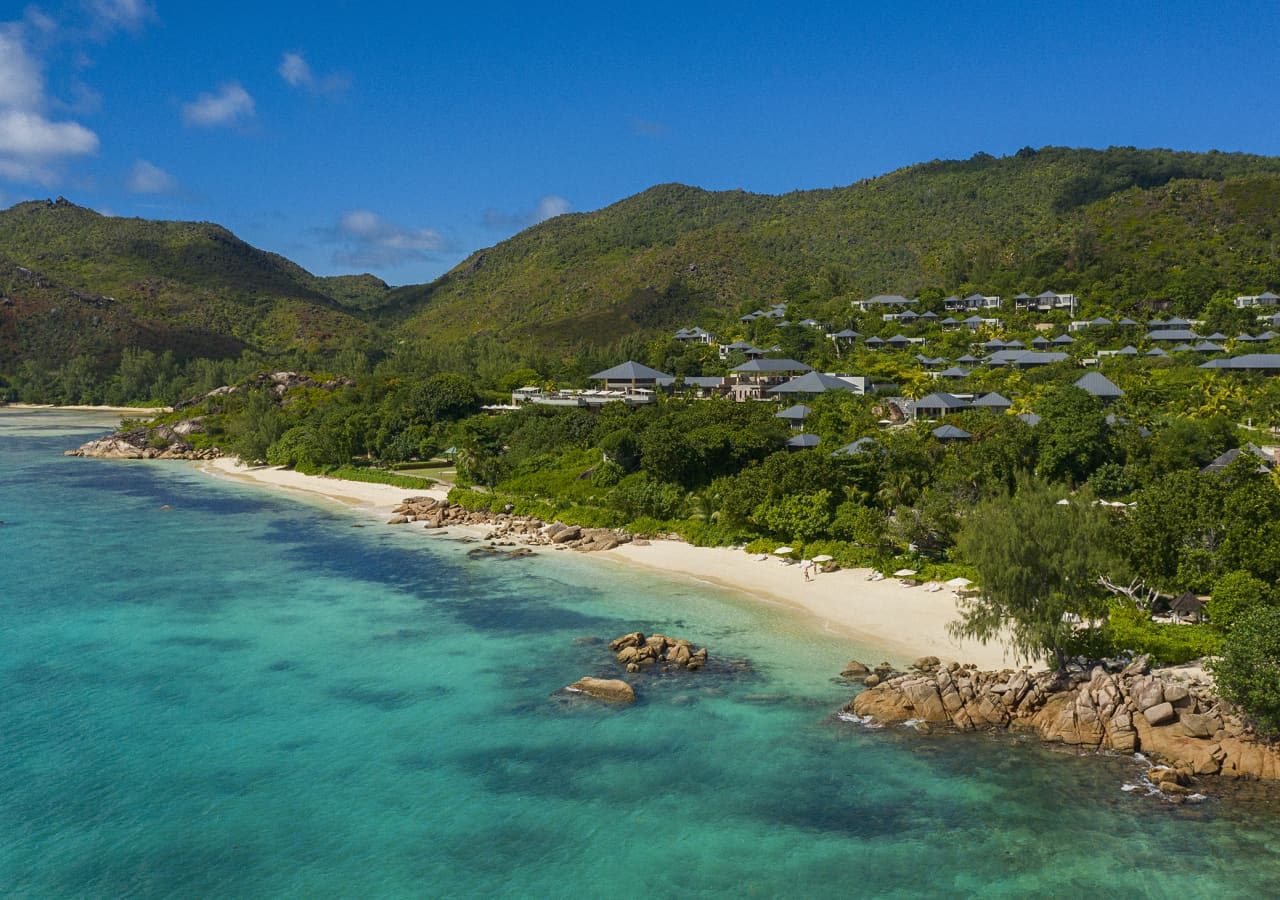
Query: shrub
[
  {"x": 1233, "y": 596},
  {"x": 1248, "y": 673},
  {"x": 1131, "y": 629}
]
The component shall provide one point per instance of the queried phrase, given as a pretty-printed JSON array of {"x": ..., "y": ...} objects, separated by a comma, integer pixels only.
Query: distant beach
[
  {"x": 123, "y": 410},
  {"x": 904, "y": 622}
]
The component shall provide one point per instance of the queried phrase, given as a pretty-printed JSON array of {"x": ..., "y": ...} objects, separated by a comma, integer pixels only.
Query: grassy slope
[{"x": 1070, "y": 219}]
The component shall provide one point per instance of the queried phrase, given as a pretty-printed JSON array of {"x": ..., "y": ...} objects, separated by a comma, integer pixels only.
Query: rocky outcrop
[
  {"x": 278, "y": 383},
  {"x": 508, "y": 530},
  {"x": 157, "y": 442},
  {"x": 1170, "y": 715},
  {"x": 613, "y": 690},
  {"x": 635, "y": 652}
]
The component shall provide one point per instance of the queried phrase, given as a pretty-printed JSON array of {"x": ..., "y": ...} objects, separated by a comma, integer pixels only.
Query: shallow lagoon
[{"x": 246, "y": 695}]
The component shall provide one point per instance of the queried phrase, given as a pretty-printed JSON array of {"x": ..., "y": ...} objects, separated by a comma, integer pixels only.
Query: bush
[
  {"x": 1248, "y": 673},
  {"x": 639, "y": 496},
  {"x": 1233, "y": 596},
  {"x": 1131, "y": 629}
]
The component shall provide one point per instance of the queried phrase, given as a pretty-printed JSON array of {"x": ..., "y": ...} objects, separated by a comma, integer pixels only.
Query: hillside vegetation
[
  {"x": 190, "y": 287},
  {"x": 1117, "y": 227}
]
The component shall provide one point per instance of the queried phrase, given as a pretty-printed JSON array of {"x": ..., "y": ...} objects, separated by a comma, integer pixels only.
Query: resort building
[
  {"x": 971, "y": 303},
  {"x": 754, "y": 377},
  {"x": 1048, "y": 301},
  {"x": 885, "y": 302},
  {"x": 1266, "y": 298}
]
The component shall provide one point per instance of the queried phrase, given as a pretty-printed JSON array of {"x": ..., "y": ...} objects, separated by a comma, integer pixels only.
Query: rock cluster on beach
[
  {"x": 160, "y": 442},
  {"x": 508, "y": 530},
  {"x": 1168, "y": 716},
  {"x": 635, "y": 651}
]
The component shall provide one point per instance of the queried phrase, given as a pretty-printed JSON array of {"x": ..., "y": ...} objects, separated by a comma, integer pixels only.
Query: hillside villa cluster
[{"x": 765, "y": 377}]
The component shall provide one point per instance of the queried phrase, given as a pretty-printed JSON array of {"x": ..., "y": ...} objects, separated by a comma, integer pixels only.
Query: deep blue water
[{"x": 208, "y": 690}]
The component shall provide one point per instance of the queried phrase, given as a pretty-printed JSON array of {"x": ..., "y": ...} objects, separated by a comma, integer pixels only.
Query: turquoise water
[{"x": 246, "y": 695}]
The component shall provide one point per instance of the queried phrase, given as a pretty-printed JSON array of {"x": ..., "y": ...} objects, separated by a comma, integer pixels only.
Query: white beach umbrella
[
  {"x": 783, "y": 551},
  {"x": 823, "y": 557},
  {"x": 904, "y": 573},
  {"x": 959, "y": 583}
]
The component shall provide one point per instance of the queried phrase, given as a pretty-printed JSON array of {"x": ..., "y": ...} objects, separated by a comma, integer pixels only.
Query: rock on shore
[
  {"x": 160, "y": 442},
  {"x": 508, "y": 529},
  {"x": 1169, "y": 718}
]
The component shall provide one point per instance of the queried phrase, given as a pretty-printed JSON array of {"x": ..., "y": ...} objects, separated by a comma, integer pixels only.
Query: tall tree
[{"x": 1038, "y": 562}]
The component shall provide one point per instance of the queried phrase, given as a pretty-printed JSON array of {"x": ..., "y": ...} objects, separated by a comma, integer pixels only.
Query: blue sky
[{"x": 396, "y": 138}]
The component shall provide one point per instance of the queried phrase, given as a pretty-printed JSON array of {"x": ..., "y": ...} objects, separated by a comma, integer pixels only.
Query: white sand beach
[
  {"x": 377, "y": 498},
  {"x": 122, "y": 410},
  {"x": 904, "y": 622}
]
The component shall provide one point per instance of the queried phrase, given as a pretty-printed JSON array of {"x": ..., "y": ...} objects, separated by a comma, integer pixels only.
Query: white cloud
[
  {"x": 148, "y": 178},
  {"x": 294, "y": 69},
  {"x": 297, "y": 72},
  {"x": 369, "y": 240},
  {"x": 549, "y": 206},
  {"x": 127, "y": 14},
  {"x": 227, "y": 106},
  {"x": 21, "y": 83},
  {"x": 31, "y": 142},
  {"x": 27, "y": 134}
]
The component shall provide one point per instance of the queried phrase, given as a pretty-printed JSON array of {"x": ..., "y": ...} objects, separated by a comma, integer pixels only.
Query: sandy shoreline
[
  {"x": 902, "y": 622},
  {"x": 123, "y": 410}
]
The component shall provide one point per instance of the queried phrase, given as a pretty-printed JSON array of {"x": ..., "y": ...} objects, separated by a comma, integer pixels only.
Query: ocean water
[{"x": 207, "y": 690}]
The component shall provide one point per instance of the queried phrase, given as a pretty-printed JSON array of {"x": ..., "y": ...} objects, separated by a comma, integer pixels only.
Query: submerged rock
[{"x": 614, "y": 690}]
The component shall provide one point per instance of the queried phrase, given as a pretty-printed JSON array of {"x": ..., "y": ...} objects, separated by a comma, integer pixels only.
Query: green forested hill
[
  {"x": 1118, "y": 227},
  {"x": 192, "y": 287}
]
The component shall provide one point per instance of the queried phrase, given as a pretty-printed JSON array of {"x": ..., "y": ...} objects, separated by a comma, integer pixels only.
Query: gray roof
[
  {"x": 772, "y": 365},
  {"x": 899, "y": 339},
  {"x": 1063, "y": 339},
  {"x": 994, "y": 344},
  {"x": 954, "y": 372},
  {"x": 874, "y": 340},
  {"x": 1266, "y": 463},
  {"x": 941, "y": 400},
  {"x": 1183, "y": 348},
  {"x": 738, "y": 345},
  {"x": 1030, "y": 418},
  {"x": 1172, "y": 334},
  {"x": 799, "y": 411},
  {"x": 1216, "y": 336},
  {"x": 1207, "y": 347},
  {"x": 1024, "y": 358},
  {"x": 812, "y": 383},
  {"x": 629, "y": 371},
  {"x": 1041, "y": 341},
  {"x": 1015, "y": 344},
  {"x": 1101, "y": 322},
  {"x": 1156, "y": 351},
  {"x": 969, "y": 360},
  {"x": 1098, "y": 385},
  {"x": 929, "y": 314},
  {"x": 951, "y": 433},
  {"x": 861, "y": 445},
  {"x": 700, "y": 381},
  {"x": 1255, "y": 362},
  {"x": 847, "y": 333},
  {"x": 889, "y": 300},
  {"x": 1127, "y": 350},
  {"x": 950, "y": 321},
  {"x": 804, "y": 440},
  {"x": 1126, "y": 321},
  {"x": 993, "y": 401}
]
